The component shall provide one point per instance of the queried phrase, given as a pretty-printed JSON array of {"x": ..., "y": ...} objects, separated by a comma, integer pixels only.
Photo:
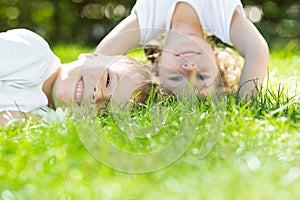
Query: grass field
[{"x": 257, "y": 154}]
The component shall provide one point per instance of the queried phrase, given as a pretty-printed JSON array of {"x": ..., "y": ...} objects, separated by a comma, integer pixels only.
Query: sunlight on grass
[
  {"x": 257, "y": 155},
  {"x": 284, "y": 69}
]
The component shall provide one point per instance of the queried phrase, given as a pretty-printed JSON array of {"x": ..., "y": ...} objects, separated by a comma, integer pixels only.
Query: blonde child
[
  {"x": 187, "y": 54},
  {"x": 32, "y": 78}
]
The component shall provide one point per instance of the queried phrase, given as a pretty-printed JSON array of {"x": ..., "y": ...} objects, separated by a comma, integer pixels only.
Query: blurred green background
[{"x": 87, "y": 21}]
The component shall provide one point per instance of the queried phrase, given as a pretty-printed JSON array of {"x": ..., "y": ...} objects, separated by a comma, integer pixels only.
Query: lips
[{"x": 78, "y": 91}]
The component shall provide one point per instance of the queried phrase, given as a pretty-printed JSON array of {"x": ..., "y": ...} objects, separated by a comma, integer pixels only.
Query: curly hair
[{"x": 230, "y": 67}]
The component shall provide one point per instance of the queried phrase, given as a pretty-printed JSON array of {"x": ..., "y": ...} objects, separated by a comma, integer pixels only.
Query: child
[
  {"x": 32, "y": 77},
  {"x": 187, "y": 54},
  {"x": 228, "y": 61}
]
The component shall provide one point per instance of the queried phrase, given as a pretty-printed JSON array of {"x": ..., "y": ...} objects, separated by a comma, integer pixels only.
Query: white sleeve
[
  {"x": 217, "y": 16},
  {"x": 26, "y": 62},
  {"x": 151, "y": 15}
]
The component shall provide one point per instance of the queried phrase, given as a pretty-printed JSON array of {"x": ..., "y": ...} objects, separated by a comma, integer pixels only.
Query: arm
[
  {"x": 125, "y": 36},
  {"x": 253, "y": 47}
]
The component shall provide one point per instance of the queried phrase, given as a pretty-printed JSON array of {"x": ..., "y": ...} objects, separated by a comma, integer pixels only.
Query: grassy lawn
[{"x": 257, "y": 154}]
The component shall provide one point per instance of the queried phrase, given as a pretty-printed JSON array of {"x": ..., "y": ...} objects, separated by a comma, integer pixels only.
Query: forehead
[
  {"x": 130, "y": 69},
  {"x": 130, "y": 74}
]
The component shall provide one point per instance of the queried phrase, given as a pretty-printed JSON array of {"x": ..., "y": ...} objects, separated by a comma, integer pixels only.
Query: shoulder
[
  {"x": 26, "y": 39},
  {"x": 24, "y": 53},
  {"x": 144, "y": 4},
  {"x": 22, "y": 43},
  {"x": 26, "y": 62},
  {"x": 152, "y": 16},
  {"x": 217, "y": 16},
  {"x": 152, "y": 10}
]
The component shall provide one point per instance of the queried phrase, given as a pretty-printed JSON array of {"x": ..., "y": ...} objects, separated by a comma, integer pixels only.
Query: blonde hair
[
  {"x": 230, "y": 68},
  {"x": 149, "y": 82}
]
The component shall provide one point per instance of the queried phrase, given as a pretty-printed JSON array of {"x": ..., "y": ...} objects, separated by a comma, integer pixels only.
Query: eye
[
  {"x": 108, "y": 80},
  {"x": 202, "y": 77},
  {"x": 175, "y": 78}
]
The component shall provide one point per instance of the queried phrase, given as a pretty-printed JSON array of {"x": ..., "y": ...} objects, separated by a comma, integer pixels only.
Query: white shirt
[
  {"x": 26, "y": 62},
  {"x": 215, "y": 16}
]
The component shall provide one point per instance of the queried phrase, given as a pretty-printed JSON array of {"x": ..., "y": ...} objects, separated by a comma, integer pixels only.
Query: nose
[
  {"x": 189, "y": 66},
  {"x": 99, "y": 98},
  {"x": 191, "y": 69},
  {"x": 200, "y": 87}
]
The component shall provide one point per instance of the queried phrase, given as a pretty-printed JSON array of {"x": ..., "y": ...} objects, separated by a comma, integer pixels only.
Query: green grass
[
  {"x": 68, "y": 53},
  {"x": 257, "y": 154}
]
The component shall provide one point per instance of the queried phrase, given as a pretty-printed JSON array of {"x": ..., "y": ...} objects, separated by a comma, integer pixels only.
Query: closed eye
[
  {"x": 202, "y": 77},
  {"x": 175, "y": 78}
]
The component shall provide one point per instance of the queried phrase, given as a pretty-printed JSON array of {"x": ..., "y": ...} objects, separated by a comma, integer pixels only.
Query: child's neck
[
  {"x": 48, "y": 85},
  {"x": 185, "y": 20}
]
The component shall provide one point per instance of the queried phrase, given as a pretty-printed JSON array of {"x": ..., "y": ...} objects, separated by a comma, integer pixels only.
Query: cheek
[
  {"x": 57, "y": 93},
  {"x": 62, "y": 91},
  {"x": 165, "y": 70},
  {"x": 168, "y": 61},
  {"x": 123, "y": 90}
]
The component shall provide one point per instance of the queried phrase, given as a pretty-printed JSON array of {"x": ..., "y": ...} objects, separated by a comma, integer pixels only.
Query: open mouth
[{"x": 78, "y": 91}]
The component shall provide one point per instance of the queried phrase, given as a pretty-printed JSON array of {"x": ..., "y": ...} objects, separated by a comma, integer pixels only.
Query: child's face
[
  {"x": 188, "y": 61},
  {"x": 93, "y": 80}
]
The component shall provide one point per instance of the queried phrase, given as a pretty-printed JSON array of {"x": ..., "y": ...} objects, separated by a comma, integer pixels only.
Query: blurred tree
[{"x": 280, "y": 19}]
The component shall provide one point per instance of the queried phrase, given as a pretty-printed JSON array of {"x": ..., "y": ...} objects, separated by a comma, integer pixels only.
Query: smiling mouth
[{"x": 78, "y": 92}]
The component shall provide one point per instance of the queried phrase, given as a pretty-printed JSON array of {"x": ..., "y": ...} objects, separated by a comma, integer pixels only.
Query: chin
[{"x": 59, "y": 99}]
